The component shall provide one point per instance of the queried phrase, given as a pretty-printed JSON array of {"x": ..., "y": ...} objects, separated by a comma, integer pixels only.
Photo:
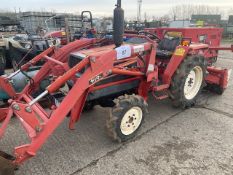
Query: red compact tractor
[{"x": 116, "y": 74}]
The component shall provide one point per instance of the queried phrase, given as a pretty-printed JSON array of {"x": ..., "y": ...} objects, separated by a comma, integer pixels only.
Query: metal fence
[{"x": 33, "y": 21}]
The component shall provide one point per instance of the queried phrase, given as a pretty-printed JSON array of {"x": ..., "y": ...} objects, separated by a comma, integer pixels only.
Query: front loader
[{"x": 116, "y": 74}]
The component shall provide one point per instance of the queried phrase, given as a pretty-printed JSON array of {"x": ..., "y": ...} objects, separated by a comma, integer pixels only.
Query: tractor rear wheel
[
  {"x": 126, "y": 117},
  {"x": 188, "y": 81}
]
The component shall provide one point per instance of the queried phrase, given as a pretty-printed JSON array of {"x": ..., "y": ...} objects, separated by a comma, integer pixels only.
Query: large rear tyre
[
  {"x": 188, "y": 81},
  {"x": 126, "y": 117}
]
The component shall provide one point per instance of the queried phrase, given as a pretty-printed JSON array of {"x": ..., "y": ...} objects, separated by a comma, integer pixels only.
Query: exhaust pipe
[{"x": 118, "y": 24}]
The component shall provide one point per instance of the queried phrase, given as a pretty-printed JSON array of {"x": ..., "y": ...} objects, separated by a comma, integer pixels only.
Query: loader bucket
[{"x": 6, "y": 165}]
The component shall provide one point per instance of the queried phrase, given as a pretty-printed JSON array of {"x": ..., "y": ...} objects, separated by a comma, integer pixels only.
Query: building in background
[
  {"x": 158, "y": 23},
  {"x": 224, "y": 25},
  {"x": 35, "y": 22},
  {"x": 32, "y": 22},
  {"x": 103, "y": 24},
  {"x": 230, "y": 27},
  {"x": 181, "y": 24},
  {"x": 8, "y": 24},
  {"x": 71, "y": 22},
  {"x": 206, "y": 20},
  {"x": 230, "y": 20}
]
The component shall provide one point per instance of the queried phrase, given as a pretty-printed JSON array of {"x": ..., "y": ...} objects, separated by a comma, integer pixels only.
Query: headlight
[{"x": 28, "y": 46}]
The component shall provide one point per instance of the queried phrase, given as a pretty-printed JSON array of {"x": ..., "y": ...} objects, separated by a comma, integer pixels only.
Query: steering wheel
[{"x": 150, "y": 35}]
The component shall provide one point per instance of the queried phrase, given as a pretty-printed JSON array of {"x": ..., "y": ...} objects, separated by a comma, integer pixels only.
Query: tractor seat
[{"x": 166, "y": 47}]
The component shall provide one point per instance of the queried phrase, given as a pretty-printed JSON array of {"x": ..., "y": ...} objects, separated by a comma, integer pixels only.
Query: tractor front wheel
[
  {"x": 188, "y": 81},
  {"x": 126, "y": 117}
]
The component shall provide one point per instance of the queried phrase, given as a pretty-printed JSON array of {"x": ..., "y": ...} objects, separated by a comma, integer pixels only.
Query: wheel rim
[
  {"x": 131, "y": 120},
  {"x": 193, "y": 83}
]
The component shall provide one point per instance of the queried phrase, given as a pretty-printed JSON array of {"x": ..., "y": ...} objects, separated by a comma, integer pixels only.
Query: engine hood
[{"x": 95, "y": 52}]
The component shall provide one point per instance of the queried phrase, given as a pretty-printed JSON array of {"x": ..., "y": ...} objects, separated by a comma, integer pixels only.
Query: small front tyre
[{"x": 126, "y": 117}]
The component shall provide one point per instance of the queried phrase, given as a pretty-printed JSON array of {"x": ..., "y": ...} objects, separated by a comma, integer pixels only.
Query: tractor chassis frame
[{"x": 39, "y": 125}]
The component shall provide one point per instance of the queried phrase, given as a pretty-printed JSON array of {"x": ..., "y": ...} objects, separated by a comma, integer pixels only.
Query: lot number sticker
[{"x": 123, "y": 52}]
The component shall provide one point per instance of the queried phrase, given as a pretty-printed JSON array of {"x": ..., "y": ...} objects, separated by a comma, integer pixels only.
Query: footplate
[{"x": 6, "y": 165}]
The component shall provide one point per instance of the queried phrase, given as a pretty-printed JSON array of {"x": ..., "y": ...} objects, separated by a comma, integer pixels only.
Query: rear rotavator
[{"x": 121, "y": 76}]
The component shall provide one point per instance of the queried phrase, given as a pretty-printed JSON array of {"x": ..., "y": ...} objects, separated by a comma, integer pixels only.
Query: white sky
[{"x": 105, "y": 7}]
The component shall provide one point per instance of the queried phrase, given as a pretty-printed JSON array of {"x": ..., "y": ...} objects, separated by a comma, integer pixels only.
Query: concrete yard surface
[
  {"x": 171, "y": 141},
  {"x": 197, "y": 141}
]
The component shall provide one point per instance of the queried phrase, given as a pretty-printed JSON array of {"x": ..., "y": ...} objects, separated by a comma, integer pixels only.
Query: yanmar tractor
[{"x": 116, "y": 74}]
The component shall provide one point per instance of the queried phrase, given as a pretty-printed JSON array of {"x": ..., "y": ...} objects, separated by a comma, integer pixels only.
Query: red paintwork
[
  {"x": 173, "y": 65},
  {"x": 58, "y": 34},
  {"x": 100, "y": 63},
  {"x": 193, "y": 33},
  {"x": 213, "y": 36},
  {"x": 218, "y": 76}
]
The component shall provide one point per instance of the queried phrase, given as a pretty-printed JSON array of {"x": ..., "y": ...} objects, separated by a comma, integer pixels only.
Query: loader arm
[
  {"x": 36, "y": 121},
  {"x": 27, "y": 113},
  {"x": 82, "y": 84}
]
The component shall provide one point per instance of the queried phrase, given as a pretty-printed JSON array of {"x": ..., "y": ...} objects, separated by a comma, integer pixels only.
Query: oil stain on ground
[{"x": 176, "y": 150}]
